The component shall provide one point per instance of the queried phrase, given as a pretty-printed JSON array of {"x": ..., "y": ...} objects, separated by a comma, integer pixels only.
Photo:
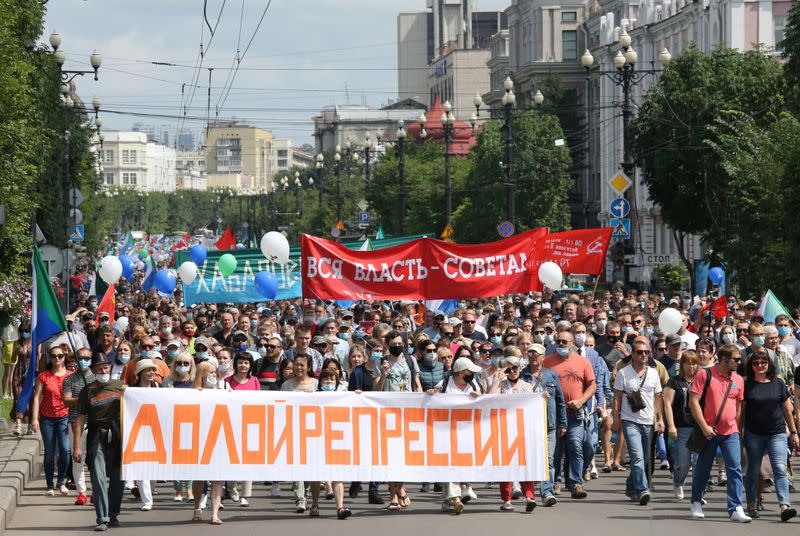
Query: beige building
[
  {"x": 457, "y": 76},
  {"x": 285, "y": 156},
  {"x": 235, "y": 181},
  {"x": 128, "y": 160},
  {"x": 232, "y": 148}
]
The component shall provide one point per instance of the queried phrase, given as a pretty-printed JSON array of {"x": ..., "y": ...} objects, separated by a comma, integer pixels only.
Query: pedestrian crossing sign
[
  {"x": 78, "y": 233},
  {"x": 622, "y": 228}
]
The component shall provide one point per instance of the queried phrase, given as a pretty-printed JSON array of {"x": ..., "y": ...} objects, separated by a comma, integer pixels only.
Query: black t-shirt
[
  {"x": 763, "y": 414},
  {"x": 681, "y": 414},
  {"x": 268, "y": 375},
  {"x": 360, "y": 379}
]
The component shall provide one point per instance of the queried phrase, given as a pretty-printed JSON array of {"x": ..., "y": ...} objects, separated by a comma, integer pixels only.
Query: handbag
[
  {"x": 635, "y": 399},
  {"x": 697, "y": 441}
]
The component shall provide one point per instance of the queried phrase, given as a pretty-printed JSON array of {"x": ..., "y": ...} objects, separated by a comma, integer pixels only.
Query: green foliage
[
  {"x": 703, "y": 135},
  {"x": 540, "y": 171},
  {"x": 791, "y": 51},
  {"x": 673, "y": 276}
]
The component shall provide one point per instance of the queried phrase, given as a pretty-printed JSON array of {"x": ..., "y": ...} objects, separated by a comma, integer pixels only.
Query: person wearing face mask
[
  {"x": 181, "y": 377},
  {"x": 103, "y": 440},
  {"x": 269, "y": 364},
  {"x": 124, "y": 352},
  {"x": 600, "y": 323},
  {"x": 201, "y": 349},
  {"x": 148, "y": 351},
  {"x": 145, "y": 373},
  {"x": 225, "y": 367},
  {"x": 206, "y": 379},
  {"x": 329, "y": 382},
  {"x": 70, "y": 391},
  {"x": 431, "y": 370},
  {"x": 174, "y": 348},
  {"x": 187, "y": 335},
  {"x": 612, "y": 349}
]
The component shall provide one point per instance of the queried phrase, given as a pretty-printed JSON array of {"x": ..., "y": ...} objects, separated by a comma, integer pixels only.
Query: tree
[
  {"x": 791, "y": 51},
  {"x": 539, "y": 169},
  {"x": 672, "y": 276},
  {"x": 686, "y": 125}
]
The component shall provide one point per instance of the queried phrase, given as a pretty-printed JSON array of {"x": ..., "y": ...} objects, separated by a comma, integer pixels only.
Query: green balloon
[
  {"x": 227, "y": 264},
  {"x": 143, "y": 254}
]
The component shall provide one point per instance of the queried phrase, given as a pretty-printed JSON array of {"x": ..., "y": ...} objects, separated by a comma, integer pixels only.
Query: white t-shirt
[
  {"x": 792, "y": 348},
  {"x": 627, "y": 381},
  {"x": 688, "y": 340},
  {"x": 453, "y": 388}
]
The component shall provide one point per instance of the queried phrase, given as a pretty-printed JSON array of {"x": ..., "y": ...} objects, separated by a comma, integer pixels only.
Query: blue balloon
[
  {"x": 267, "y": 284},
  {"x": 240, "y": 246},
  {"x": 716, "y": 275},
  {"x": 128, "y": 266},
  {"x": 198, "y": 254},
  {"x": 165, "y": 281}
]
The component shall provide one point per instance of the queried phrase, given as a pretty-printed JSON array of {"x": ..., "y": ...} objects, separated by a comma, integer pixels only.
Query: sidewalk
[{"x": 20, "y": 462}]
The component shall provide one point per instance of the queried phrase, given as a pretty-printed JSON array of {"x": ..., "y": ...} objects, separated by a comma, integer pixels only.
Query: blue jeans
[
  {"x": 547, "y": 485},
  {"x": 661, "y": 447},
  {"x": 682, "y": 457},
  {"x": 637, "y": 438},
  {"x": 731, "y": 454},
  {"x": 571, "y": 446},
  {"x": 56, "y": 439},
  {"x": 590, "y": 441},
  {"x": 775, "y": 445}
]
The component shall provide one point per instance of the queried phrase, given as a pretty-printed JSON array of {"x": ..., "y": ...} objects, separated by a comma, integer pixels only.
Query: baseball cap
[
  {"x": 673, "y": 339},
  {"x": 103, "y": 315},
  {"x": 202, "y": 340},
  {"x": 319, "y": 339},
  {"x": 538, "y": 348},
  {"x": 462, "y": 364},
  {"x": 175, "y": 342},
  {"x": 438, "y": 313},
  {"x": 454, "y": 321},
  {"x": 347, "y": 314}
]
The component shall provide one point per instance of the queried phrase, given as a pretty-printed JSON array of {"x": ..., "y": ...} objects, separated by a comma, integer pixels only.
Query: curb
[{"x": 20, "y": 462}]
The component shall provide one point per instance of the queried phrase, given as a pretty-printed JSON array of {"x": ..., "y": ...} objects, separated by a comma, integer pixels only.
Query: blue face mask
[
  {"x": 262, "y": 351},
  {"x": 173, "y": 353},
  {"x": 201, "y": 356},
  {"x": 496, "y": 362},
  {"x": 627, "y": 329},
  {"x": 648, "y": 331},
  {"x": 343, "y": 336},
  {"x": 25, "y": 334},
  {"x": 327, "y": 387},
  {"x": 243, "y": 346},
  {"x": 84, "y": 363},
  {"x": 189, "y": 316},
  {"x": 496, "y": 340},
  {"x": 758, "y": 341},
  {"x": 376, "y": 356},
  {"x": 562, "y": 351},
  {"x": 148, "y": 354},
  {"x": 783, "y": 331}
]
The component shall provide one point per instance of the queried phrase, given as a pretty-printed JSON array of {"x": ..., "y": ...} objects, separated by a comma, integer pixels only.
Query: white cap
[
  {"x": 454, "y": 321},
  {"x": 463, "y": 363}
]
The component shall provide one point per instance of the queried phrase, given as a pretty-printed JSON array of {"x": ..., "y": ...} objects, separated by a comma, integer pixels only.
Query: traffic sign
[
  {"x": 340, "y": 225},
  {"x": 619, "y": 207},
  {"x": 622, "y": 228},
  {"x": 78, "y": 233},
  {"x": 620, "y": 182},
  {"x": 364, "y": 218},
  {"x": 75, "y": 216},
  {"x": 335, "y": 232},
  {"x": 505, "y": 229},
  {"x": 75, "y": 197}
]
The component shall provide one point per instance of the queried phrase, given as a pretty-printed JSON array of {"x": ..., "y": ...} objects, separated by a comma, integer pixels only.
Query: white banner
[{"x": 187, "y": 434}]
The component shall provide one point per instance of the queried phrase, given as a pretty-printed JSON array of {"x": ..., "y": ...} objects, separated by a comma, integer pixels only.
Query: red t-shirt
[
  {"x": 719, "y": 384},
  {"x": 250, "y": 384},
  {"x": 575, "y": 373},
  {"x": 52, "y": 404}
]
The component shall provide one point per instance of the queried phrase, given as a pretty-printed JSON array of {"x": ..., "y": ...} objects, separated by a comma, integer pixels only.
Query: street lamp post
[
  {"x": 337, "y": 157},
  {"x": 95, "y": 60},
  {"x": 626, "y": 75},
  {"x": 367, "y": 147},
  {"x": 401, "y": 169},
  {"x": 320, "y": 166},
  {"x": 508, "y": 101},
  {"x": 448, "y": 120}
]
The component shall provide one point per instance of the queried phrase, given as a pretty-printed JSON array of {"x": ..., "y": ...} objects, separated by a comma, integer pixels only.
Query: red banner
[
  {"x": 423, "y": 269},
  {"x": 428, "y": 269}
]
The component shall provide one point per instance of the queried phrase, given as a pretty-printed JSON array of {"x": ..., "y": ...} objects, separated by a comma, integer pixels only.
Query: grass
[{"x": 5, "y": 408}]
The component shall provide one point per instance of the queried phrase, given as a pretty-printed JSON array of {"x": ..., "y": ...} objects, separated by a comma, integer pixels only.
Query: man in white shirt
[
  {"x": 637, "y": 384},
  {"x": 789, "y": 342}
]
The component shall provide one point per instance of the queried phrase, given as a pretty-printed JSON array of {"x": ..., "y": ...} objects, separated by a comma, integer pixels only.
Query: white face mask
[
  {"x": 580, "y": 339},
  {"x": 103, "y": 378},
  {"x": 223, "y": 367},
  {"x": 166, "y": 330},
  {"x": 211, "y": 381},
  {"x": 123, "y": 358},
  {"x": 182, "y": 370}
]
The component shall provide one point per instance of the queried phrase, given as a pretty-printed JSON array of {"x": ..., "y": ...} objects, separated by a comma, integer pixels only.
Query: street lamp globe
[
  {"x": 65, "y": 89},
  {"x": 95, "y": 60},
  {"x": 538, "y": 98},
  {"x": 619, "y": 60},
  {"x": 447, "y": 106},
  {"x": 631, "y": 56},
  {"x": 665, "y": 57},
  {"x": 587, "y": 60},
  {"x": 473, "y": 120},
  {"x": 320, "y": 158},
  {"x": 443, "y": 118},
  {"x": 451, "y": 119},
  {"x": 624, "y": 39},
  {"x": 96, "y": 104},
  {"x": 423, "y": 133},
  {"x": 55, "y": 40},
  {"x": 401, "y": 132},
  {"x": 337, "y": 157},
  {"x": 477, "y": 100},
  {"x": 511, "y": 98},
  {"x": 310, "y": 181},
  {"x": 101, "y": 137},
  {"x": 367, "y": 143},
  {"x": 338, "y": 149},
  {"x": 98, "y": 122},
  {"x": 355, "y": 157},
  {"x": 508, "y": 84},
  {"x": 422, "y": 119},
  {"x": 60, "y": 57},
  {"x": 504, "y": 99}
]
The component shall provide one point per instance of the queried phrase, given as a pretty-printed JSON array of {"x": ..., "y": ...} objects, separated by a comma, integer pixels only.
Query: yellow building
[{"x": 235, "y": 149}]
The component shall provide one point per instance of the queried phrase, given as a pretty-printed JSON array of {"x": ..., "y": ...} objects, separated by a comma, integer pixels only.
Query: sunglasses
[
  {"x": 179, "y": 363},
  {"x": 57, "y": 356},
  {"x": 485, "y": 350},
  {"x": 511, "y": 369},
  {"x": 641, "y": 352},
  {"x": 273, "y": 346},
  {"x": 662, "y": 348},
  {"x": 447, "y": 333},
  {"x": 759, "y": 363},
  {"x": 432, "y": 349},
  {"x": 148, "y": 346},
  {"x": 562, "y": 342},
  {"x": 468, "y": 321}
]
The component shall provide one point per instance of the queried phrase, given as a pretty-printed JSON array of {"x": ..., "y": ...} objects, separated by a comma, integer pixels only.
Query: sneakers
[
  {"x": 549, "y": 500},
  {"x": 300, "y": 506},
  {"x": 203, "y": 501},
  {"x": 557, "y": 488},
  {"x": 587, "y": 475},
  {"x": 530, "y": 505},
  {"x": 697, "y": 510},
  {"x": 49, "y": 492},
  {"x": 314, "y": 511},
  {"x": 578, "y": 492},
  {"x": 593, "y": 473},
  {"x": 113, "y": 522},
  {"x": 275, "y": 490},
  {"x": 147, "y": 507},
  {"x": 234, "y": 495},
  {"x": 243, "y": 503},
  {"x": 516, "y": 491},
  {"x": 739, "y": 516},
  {"x": 677, "y": 491},
  {"x": 102, "y": 527},
  {"x": 507, "y": 507},
  {"x": 467, "y": 494},
  {"x": 644, "y": 498},
  {"x": 178, "y": 497},
  {"x": 722, "y": 478},
  {"x": 664, "y": 464},
  {"x": 81, "y": 499}
]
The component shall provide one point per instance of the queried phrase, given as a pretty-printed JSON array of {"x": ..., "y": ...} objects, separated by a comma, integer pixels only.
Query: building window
[
  {"x": 179, "y": 163},
  {"x": 569, "y": 16},
  {"x": 283, "y": 163},
  {"x": 128, "y": 156},
  {"x": 283, "y": 153},
  {"x": 108, "y": 156},
  {"x": 129, "y": 178},
  {"x": 569, "y": 45},
  {"x": 109, "y": 178},
  {"x": 201, "y": 163},
  {"x": 780, "y": 25}
]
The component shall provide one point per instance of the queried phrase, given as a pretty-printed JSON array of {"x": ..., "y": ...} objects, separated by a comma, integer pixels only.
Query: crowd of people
[{"x": 618, "y": 391}]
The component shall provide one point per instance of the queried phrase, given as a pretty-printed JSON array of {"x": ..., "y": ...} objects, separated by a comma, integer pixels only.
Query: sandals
[
  {"x": 405, "y": 501},
  {"x": 215, "y": 521},
  {"x": 618, "y": 467},
  {"x": 607, "y": 469},
  {"x": 394, "y": 506},
  {"x": 314, "y": 512},
  {"x": 198, "y": 515},
  {"x": 343, "y": 513}
]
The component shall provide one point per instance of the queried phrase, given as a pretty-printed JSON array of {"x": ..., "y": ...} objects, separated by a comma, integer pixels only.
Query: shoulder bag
[
  {"x": 635, "y": 399},
  {"x": 697, "y": 441}
]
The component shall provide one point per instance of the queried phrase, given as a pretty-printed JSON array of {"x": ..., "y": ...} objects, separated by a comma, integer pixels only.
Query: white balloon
[
  {"x": 275, "y": 247},
  {"x": 121, "y": 324},
  {"x": 110, "y": 269},
  {"x": 669, "y": 321},
  {"x": 140, "y": 265},
  {"x": 188, "y": 272},
  {"x": 551, "y": 275}
]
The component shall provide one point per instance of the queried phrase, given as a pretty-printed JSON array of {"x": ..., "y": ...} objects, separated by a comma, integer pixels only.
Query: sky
[{"x": 306, "y": 54}]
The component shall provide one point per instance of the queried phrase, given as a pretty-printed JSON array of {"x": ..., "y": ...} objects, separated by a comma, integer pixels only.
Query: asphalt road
[{"x": 605, "y": 511}]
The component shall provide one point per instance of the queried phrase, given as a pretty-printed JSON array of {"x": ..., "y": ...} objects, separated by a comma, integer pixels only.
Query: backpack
[
  {"x": 412, "y": 369},
  {"x": 476, "y": 386}
]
